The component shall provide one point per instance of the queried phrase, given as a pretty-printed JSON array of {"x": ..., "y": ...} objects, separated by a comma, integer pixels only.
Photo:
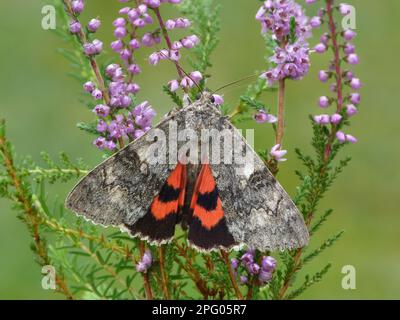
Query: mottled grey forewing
[
  {"x": 120, "y": 190},
  {"x": 258, "y": 210}
]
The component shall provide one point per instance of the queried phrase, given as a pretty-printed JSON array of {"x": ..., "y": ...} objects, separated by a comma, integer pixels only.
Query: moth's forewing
[{"x": 120, "y": 190}]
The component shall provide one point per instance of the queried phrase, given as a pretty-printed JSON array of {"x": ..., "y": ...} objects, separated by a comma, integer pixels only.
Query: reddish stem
[
  {"x": 167, "y": 39},
  {"x": 339, "y": 77}
]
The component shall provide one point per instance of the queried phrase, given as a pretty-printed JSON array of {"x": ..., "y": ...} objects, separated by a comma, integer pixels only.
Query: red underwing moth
[{"x": 174, "y": 175}]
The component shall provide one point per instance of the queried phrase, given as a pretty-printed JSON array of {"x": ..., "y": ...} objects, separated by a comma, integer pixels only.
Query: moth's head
[{"x": 205, "y": 97}]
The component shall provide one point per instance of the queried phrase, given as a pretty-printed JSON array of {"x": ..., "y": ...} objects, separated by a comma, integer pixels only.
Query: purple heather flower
[
  {"x": 292, "y": 62},
  {"x": 120, "y": 32},
  {"x": 124, "y": 10},
  {"x": 125, "y": 54},
  {"x": 100, "y": 143},
  {"x": 261, "y": 117},
  {"x": 320, "y": 48},
  {"x": 148, "y": 39},
  {"x": 134, "y": 44},
  {"x": 355, "y": 83},
  {"x": 117, "y": 45},
  {"x": 89, "y": 86},
  {"x": 264, "y": 276},
  {"x": 345, "y": 9},
  {"x": 217, "y": 99},
  {"x": 154, "y": 58},
  {"x": 144, "y": 114},
  {"x": 190, "y": 41},
  {"x": 134, "y": 69},
  {"x": 336, "y": 118},
  {"x": 315, "y": 22},
  {"x": 322, "y": 119},
  {"x": 355, "y": 98},
  {"x": 243, "y": 279},
  {"x": 325, "y": 38},
  {"x": 98, "y": 45},
  {"x": 187, "y": 82},
  {"x": 138, "y": 133},
  {"x": 352, "y": 59},
  {"x": 351, "y": 110},
  {"x": 97, "y": 94},
  {"x": 75, "y": 27},
  {"x": 110, "y": 145},
  {"x": 94, "y": 25},
  {"x": 349, "y": 34},
  {"x": 111, "y": 69},
  {"x": 173, "y": 85},
  {"x": 277, "y": 154},
  {"x": 89, "y": 49},
  {"x": 341, "y": 136},
  {"x": 247, "y": 258},
  {"x": 77, "y": 6},
  {"x": 170, "y": 24},
  {"x": 349, "y": 48},
  {"x": 275, "y": 16},
  {"x": 268, "y": 263},
  {"x": 174, "y": 55},
  {"x": 152, "y": 3},
  {"x": 234, "y": 263},
  {"x": 351, "y": 139},
  {"x": 132, "y": 88},
  {"x": 101, "y": 126},
  {"x": 101, "y": 110},
  {"x": 196, "y": 76},
  {"x": 253, "y": 268},
  {"x": 119, "y": 22},
  {"x": 324, "y": 102},
  {"x": 323, "y": 76}
]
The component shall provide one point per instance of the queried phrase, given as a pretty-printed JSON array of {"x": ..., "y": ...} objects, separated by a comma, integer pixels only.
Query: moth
[{"x": 221, "y": 204}]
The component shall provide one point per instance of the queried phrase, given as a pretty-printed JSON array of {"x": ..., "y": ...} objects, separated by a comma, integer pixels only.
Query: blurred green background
[{"x": 41, "y": 105}]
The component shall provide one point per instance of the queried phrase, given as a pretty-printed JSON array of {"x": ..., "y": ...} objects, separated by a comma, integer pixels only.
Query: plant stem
[
  {"x": 164, "y": 276},
  {"x": 167, "y": 39},
  {"x": 225, "y": 257},
  {"x": 32, "y": 217},
  {"x": 200, "y": 283},
  {"x": 146, "y": 283},
  {"x": 338, "y": 72},
  {"x": 281, "y": 113}
]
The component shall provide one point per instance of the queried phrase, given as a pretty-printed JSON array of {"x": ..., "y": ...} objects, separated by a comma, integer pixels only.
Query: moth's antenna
[
  {"x": 181, "y": 69},
  {"x": 235, "y": 82}
]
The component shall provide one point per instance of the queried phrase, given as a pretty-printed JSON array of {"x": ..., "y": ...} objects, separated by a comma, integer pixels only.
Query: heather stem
[
  {"x": 167, "y": 39},
  {"x": 225, "y": 257},
  {"x": 338, "y": 72},
  {"x": 281, "y": 113},
  {"x": 31, "y": 215},
  {"x": 146, "y": 282},
  {"x": 164, "y": 276}
]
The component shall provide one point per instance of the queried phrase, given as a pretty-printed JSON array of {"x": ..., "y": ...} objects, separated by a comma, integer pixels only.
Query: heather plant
[{"x": 96, "y": 263}]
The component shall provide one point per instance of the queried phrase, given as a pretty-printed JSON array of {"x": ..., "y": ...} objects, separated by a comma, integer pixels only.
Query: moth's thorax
[{"x": 206, "y": 102}]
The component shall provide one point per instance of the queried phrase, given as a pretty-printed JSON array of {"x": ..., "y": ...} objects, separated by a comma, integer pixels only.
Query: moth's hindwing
[
  {"x": 208, "y": 229},
  {"x": 158, "y": 224},
  {"x": 257, "y": 209}
]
